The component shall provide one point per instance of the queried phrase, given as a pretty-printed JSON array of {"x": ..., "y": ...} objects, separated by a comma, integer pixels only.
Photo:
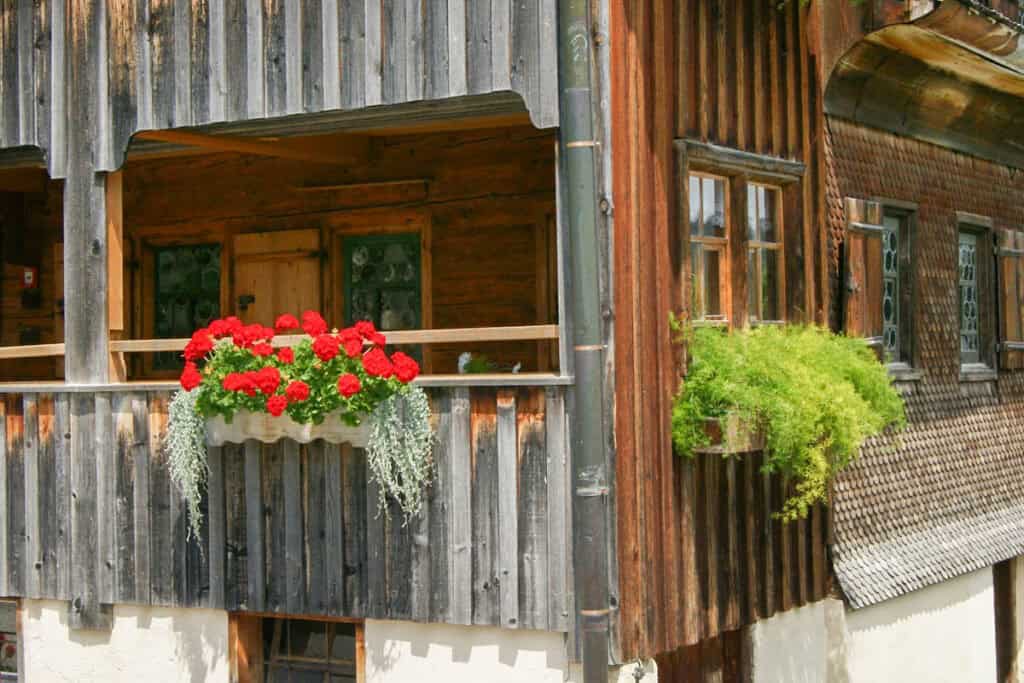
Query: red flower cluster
[
  {"x": 368, "y": 332},
  {"x": 297, "y": 391},
  {"x": 190, "y": 378},
  {"x": 352, "y": 341},
  {"x": 406, "y": 368},
  {"x": 267, "y": 380},
  {"x": 313, "y": 324},
  {"x": 377, "y": 364},
  {"x": 325, "y": 346},
  {"x": 262, "y": 349},
  {"x": 249, "y": 335},
  {"x": 240, "y": 381},
  {"x": 225, "y": 328},
  {"x": 285, "y": 323},
  {"x": 276, "y": 405},
  {"x": 199, "y": 345},
  {"x": 286, "y": 356},
  {"x": 349, "y": 385}
]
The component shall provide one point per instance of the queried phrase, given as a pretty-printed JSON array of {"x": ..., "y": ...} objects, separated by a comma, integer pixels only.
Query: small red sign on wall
[{"x": 29, "y": 277}]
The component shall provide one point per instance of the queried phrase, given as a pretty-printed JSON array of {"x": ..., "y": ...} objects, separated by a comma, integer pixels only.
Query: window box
[
  {"x": 731, "y": 434},
  {"x": 268, "y": 429}
]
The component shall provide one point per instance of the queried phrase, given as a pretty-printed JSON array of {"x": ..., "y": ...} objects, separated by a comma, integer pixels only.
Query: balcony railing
[{"x": 91, "y": 514}]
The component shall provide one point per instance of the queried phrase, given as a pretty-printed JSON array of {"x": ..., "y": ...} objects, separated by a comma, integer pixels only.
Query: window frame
[
  {"x": 740, "y": 169},
  {"x": 903, "y": 366},
  {"x": 981, "y": 227},
  {"x": 247, "y": 648},
  {"x": 756, "y": 247},
  {"x": 721, "y": 245}
]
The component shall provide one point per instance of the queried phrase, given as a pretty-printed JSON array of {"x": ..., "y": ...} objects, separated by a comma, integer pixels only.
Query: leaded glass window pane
[
  {"x": 970, "y": 351},
  {"x": 890, "y": 287},
  {"x": 187, "y": 294},
  {"x": 383, "y": 284}
]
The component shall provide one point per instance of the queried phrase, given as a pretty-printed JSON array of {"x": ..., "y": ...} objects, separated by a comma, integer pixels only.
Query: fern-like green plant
[{"x": 816, "y": 395}]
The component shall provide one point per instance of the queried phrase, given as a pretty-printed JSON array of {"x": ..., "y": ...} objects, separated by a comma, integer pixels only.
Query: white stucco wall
[
  {"x": 400, "y": 652},
  {"x": 153, "y": 645},
  {"x": 945, "y": 632},
  {"x": 791, "y": 646}
]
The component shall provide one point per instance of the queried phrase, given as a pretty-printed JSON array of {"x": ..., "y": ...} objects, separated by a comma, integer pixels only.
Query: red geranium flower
[
  {"x": 276, "y": 405},
  {"x": 286, "y": 355},
  {"x": 325, "y": 346},
  {"x": 234, "y": 324},
  {"x": 349, "y": 385},
  {"x": 220, "y": 329},
  {"x": 200, "y": 345},
  {"x": 406, "y": 368},
  {"x": 286, "y": 322},
  {"x": 297, "y": 391},
  {"x": 262, "y": 349},
  {"x": 378, "y": 339},
  {"x": 352, "y": 341},
  {"x": 376, "y": 363},
  {"x": 366, "y": 328},
  {"x": 240, "y": 381},
  {"x": 313, "y": 323},
  {"x": 268, "y": 380},
  {"x": 190, "y": 377}
]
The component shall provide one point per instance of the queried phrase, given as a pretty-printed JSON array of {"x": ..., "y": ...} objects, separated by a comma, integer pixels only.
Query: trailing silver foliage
[
  {"x": 185, "y": 443},
  {"x": 399, "y": 450}
]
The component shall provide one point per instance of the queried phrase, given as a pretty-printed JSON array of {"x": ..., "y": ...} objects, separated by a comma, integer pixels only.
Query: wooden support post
[
  {"x": 115, "y": 271},
  {"x": 86, "y": 329}
]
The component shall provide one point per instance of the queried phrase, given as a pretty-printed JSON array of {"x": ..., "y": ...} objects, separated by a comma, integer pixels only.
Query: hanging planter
[
  {"x": 731, "y": 434},
  {"x": 337, "y": 385}
]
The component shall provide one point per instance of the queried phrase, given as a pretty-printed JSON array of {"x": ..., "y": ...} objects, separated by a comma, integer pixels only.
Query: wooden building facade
[{"x": 165, "y": 162}]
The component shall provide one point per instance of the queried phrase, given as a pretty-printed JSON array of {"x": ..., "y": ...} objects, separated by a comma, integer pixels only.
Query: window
[
  {"x": 8, "y": 640},
  {"x": 187, "y": 294},
  {"x": 764, "y": 253},
  {"x": 709, "y": 244},
  {"x": 897, "y": 286},
  {"x": 975, "y": 260},
  {"x": 382, "y": 280},
  {"x": 300, "y": 651},
  {"x": 970, "y": 339}
]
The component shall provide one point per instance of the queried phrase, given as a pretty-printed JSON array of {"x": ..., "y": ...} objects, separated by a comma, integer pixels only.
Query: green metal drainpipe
[{"x": 589, "y": 470}]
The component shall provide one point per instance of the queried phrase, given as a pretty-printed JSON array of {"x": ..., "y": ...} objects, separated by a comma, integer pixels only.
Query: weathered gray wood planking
[
  {"x": 289, "y": 528},
  {"x": 176, "y": 63}
]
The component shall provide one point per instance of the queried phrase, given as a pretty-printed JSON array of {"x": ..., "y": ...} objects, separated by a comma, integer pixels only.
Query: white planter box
[{"x": 268, "y": 429}]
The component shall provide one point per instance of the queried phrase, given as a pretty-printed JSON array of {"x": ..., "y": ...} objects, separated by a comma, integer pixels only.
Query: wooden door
[{"x": 275, "y": 273}]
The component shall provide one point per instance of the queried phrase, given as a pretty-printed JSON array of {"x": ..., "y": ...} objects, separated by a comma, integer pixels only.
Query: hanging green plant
[{"x": 814, "y": 395}]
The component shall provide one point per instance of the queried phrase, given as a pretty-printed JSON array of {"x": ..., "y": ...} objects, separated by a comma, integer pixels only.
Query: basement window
[
  {"x": 8, "y": 640},
  {"x": 287, "y": 650}
]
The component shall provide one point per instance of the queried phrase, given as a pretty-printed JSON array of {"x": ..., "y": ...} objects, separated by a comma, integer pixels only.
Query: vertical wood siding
[
  {"x": 174, "y": 63},
  {"x": 740, "y": 74},
  {"x": 288, "y": 527}
]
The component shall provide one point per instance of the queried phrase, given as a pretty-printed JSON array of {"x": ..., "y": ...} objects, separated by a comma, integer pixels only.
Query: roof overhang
[{"x": 954, "y": 77}]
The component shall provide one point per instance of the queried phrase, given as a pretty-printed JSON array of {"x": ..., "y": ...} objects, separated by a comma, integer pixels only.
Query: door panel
[{"x": 275, "y": 273}]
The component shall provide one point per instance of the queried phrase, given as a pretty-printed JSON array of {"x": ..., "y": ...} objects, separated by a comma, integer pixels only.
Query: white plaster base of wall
[
  {"x": 149, "y": 644},
  {"x": 943, "y": 633},
  {"x": 401, "y": 652}
]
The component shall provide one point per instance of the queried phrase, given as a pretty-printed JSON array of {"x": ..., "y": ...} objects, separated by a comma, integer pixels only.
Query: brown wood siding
[
  {"x": 292, "y": 528},
  {"x": 739, "y": 74}
]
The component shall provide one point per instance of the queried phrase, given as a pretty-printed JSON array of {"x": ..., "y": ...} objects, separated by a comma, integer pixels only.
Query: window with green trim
[
  {"x": 187, "y": 294},
  {"x": 382, "y": 280}
]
